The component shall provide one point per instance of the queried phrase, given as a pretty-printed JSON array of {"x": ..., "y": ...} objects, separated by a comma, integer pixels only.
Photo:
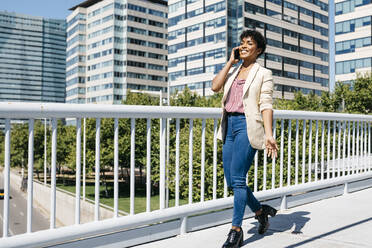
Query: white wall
[{"x": 65, "y": 203}]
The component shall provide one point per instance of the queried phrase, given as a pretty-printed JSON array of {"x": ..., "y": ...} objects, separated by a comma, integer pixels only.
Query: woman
[{"x": 246, "y": 126}]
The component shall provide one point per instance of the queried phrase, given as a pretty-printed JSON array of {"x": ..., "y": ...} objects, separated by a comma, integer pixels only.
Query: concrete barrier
[{"x": 65, "y": 203}]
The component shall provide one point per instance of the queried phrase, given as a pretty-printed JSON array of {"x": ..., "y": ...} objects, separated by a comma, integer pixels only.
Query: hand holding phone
[{"x": 236, "y": 54}]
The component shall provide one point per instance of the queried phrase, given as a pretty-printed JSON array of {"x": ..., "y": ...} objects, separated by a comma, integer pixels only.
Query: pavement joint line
[
  {"x": 309, "y": 238},
  {"x": 306, "y": 237}
]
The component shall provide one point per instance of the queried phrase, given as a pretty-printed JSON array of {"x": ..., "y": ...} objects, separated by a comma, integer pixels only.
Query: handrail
[{"x": 61, "y": 110}]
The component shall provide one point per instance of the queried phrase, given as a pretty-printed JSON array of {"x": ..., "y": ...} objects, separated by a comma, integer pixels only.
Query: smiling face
[{"x": 248, "y": 49}]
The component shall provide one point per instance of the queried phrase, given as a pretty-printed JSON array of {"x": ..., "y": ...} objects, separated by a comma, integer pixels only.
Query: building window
[
  {"x": 349, "y": 66},
  {"x": 136, "y": 8},
  {"x": 136, "y": 19},
  {"x": 350, "y": 25}
]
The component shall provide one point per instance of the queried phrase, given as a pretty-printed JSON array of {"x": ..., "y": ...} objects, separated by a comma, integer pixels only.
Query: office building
[
  {"x": 115, "y": 45},
  {"x": 353, "y": 39},
  {"x": 197, "y": 37},
  {"x": 202, "y": 34},
  {"x": 32, "y": 58}
]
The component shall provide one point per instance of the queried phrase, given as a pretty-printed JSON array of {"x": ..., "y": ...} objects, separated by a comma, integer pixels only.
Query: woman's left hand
[{"x": 271, "y": 147}]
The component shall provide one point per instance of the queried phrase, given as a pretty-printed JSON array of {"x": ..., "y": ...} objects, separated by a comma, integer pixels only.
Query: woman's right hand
[
  {"x": 232, "y": 59},
  {"x": 219, "y": 80}
]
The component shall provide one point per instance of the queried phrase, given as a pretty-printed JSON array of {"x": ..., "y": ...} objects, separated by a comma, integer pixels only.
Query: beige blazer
[{"x": 257, "y": 96}]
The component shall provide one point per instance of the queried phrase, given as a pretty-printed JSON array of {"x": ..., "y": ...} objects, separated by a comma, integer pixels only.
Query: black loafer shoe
[
  {"x": 269, "y": 210},
  {"x": 263, "y": 219},
  {"x": 234, "y": 239}
]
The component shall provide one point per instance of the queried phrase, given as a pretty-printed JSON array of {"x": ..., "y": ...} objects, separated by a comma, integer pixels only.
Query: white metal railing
[{"x": 310, "y": 162}]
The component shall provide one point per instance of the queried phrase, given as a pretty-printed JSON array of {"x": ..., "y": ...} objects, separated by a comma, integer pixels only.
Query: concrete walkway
[{"x": 338, "y": 222}]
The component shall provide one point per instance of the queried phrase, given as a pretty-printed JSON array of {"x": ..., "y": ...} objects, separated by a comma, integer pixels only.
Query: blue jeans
[{"x": 237, "y": 156}]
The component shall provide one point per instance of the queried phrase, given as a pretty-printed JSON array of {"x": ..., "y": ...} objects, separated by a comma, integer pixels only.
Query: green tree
[
  {"x": 19, "y": 145},
  {"x": 359, "y": 97}
]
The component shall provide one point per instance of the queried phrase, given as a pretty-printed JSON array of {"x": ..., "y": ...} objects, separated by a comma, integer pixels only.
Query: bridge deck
[{"x": 341, "y": 222}]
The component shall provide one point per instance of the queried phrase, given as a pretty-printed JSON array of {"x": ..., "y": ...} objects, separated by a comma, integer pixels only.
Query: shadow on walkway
[
  {"x": 329, "y": 233},
  {"x": 280, "y": 223}
]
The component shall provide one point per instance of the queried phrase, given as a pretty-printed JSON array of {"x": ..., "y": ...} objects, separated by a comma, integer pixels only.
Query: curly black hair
[{"x": 257, "y": 37}]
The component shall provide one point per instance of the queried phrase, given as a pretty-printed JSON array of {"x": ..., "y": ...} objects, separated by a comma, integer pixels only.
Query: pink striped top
[{"x": 234, "y": 100}]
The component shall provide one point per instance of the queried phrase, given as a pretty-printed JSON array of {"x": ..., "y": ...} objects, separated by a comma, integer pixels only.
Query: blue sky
[
  {"x": 59, "y": 9},
  {"x": 45, "y": 8}
]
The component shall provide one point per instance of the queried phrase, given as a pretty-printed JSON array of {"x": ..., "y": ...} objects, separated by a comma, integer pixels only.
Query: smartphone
[{"x": 236, "y": 54}]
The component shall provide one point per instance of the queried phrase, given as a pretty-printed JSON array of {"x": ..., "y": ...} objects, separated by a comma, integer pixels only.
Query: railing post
[
  {"x": 281, "y": 153},
  {"x": 215, "y": 160},
  {"x": 274, "y": 159},
  {"x": 78, "y": 170},
  {"x": 296, "y": 156},
  {"x": 116, "y": 167},
  {"x": 162, "y": 164},
  {"x": 148, "y": 165},
  {"x": 310, "y": 148},
  {"x": 353, "y": 151},
  {"x": 348, "y": 150},
  {"x": 346, "y": 188},
  {"x": 303, "y": 150},
  {"x": 334, "y": 150},
  {"x": 84, "y": 158},
  {"x": 97, "y": 171},
  {"x": 357, "y": 150},
  {"x": 132, "y": 164},
  {"x": 202, "y": 163},
  {"x": 6, "y": 179},
  {"x": 339, "y": 149},
  {"x": 344, "y": 150},
  {"x": 289, "y": 152},
  {"x": 53, "y": 175},
  {"x": 322, "y": 156},
  {"x": 183, "y": 229},
  {"x": 30, "y": 174},
  {"x": 177, "y": 196},
  {"x": 283, "y": 203},
  {"x": 328, "y": 147},
  {"x": 190, "y": 159},
  {"x": 316, "y": 150},
  {"x": 369, "y": 147},
  {"x": 365, "y": 148},
  {"x": 45, "y": 152},
  {"x": 255, "y": 187}
]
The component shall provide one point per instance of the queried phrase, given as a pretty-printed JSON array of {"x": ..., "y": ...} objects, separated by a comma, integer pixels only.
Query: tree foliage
[{"x": 354, "y": 98}]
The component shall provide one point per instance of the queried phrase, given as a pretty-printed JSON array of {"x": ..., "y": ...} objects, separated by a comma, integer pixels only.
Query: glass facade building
[
  {"x": 197, "y": 43},
  {"x": 115, "y": 45},
  {"x": 32, "y": 58},
  {"x": 296, "y": 33},
  {"x": 353, "y": 39}
]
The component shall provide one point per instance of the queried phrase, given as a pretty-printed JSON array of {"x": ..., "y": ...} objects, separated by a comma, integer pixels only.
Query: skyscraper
[
  {"x": 32, "y": 58},
  {"x": 202, "y": 34},
  {"x": 353, "y": 38},
  {"x": 115, "y": 45}
]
